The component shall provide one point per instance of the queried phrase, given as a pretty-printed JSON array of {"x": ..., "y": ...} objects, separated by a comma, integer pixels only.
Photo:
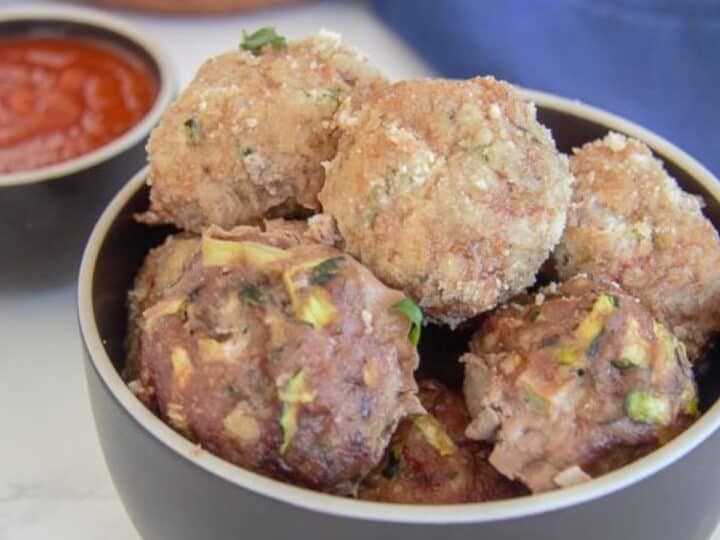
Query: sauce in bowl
[{"x": 63, "y": 97}]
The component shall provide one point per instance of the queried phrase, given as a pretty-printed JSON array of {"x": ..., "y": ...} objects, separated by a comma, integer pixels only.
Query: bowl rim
[
  {"x": 525, "y": 506},
  {"x": 109, "y": 25}
]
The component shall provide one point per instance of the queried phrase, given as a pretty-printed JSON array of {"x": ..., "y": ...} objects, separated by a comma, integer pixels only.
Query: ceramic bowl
[{"x": 174, "y": 489}]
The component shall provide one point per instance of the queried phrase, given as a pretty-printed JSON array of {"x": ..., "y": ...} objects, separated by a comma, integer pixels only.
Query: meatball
[
  {"x": 580, "y": 373},
  {"x": 162, "y": 268},
  {"x": 430, "y": 461},
  {"x": 449, "y": 190},
  {"x": 630, "y": 222},
  {"x": 246, "y": 138},
  {"x": 283, "y": 356}
]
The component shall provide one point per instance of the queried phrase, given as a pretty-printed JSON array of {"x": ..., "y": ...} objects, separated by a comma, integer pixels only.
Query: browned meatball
[
  {"x": 449, "y": 190},
  {"x": 630, "y": 222},
  {"x": 579, "y": 373},
  {"x": 162, "y": 268},
  {"x": 290, "y": 360},
  {"x": 247, "y": 137},
  {"x": 430, "y": 461}
]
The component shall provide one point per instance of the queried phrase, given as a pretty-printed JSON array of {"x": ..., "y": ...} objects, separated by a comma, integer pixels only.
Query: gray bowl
[
  {"x": 46, "y": 214},
  {"x": 174, "y": 489}
]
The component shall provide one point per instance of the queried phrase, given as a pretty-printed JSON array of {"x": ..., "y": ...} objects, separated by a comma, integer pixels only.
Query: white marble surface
[{"x": 53, "y": 482}]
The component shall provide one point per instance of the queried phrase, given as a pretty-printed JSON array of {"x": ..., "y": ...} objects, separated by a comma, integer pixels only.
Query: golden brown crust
[
  {"x": 450, "y": 190},
  {"x": 631, "y": 223},
  {"x": 246, "y": 139}
]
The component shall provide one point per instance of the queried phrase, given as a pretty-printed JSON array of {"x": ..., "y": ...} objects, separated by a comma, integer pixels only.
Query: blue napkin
[{"x": 655, "y": 62}]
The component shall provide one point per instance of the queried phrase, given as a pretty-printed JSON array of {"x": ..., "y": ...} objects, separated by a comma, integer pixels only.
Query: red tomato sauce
[{"x": 62, "y": 97}]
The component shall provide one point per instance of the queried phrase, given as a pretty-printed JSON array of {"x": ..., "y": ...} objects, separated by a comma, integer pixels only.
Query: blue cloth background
[{"x": 655, "y": 62}]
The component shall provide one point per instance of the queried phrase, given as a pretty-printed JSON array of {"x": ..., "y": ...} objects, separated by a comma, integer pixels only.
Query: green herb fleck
[
  {"x": 260, "y": 38},
  {"x": 252, "y": 294},
  {"x": 335, "y": 94},
  {"x": 693, "y": 407},
  {"x": 614, "y": 299},
  {"x": 193, "y": 130},
  {"x": 245, "y": 151},
  {"x": 411, "y": 310},
  {"x": 622, "y": 363},
  {"x": 393, "y": 464},
  {"x": 326, "y": 270}
]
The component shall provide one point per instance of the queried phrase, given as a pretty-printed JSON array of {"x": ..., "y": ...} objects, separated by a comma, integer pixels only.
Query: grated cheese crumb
[{"x": 615, "y": 142}]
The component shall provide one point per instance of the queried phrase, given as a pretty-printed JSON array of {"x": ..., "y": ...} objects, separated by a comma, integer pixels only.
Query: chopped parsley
[
  {"x": 622, "y": 363},
  {"x": 252, "y": 294},
  {"x": 335, "y": 94},
  {"x": 193, "y": 130},
  {"x": 393, "y": 464},
  {"x": 260, "y": 38},
  {"x": 322, "y": 273},
  {"x": 411, "y": 310}
]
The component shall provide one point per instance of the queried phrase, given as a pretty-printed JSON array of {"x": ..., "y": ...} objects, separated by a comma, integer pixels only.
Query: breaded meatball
[
  {"x": 449, "y": 190},
  {"x": 630, "y": 222},
  {"x": 578, "y": 374},
  {"x": 430, "y": 461},
  {"x": 246, "y": 138},
  {"x": 286, "y": 357}
]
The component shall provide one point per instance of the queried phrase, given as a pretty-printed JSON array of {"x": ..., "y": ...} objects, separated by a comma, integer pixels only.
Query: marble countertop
[{"x": 53, "y": 480}]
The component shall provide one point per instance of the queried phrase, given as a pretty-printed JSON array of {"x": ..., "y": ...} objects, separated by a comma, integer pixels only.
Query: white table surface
[{"x": 53, "y": 481}]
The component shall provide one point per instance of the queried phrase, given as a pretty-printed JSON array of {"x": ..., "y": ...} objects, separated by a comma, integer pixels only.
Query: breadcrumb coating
[
  {"x": 245, "y": 140},
  {"x": 631, "y": 223},
  {"x": 449, "y": 190}
]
